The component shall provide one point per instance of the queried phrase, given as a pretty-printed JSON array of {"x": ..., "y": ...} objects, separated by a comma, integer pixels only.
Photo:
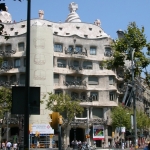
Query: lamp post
[{"x": 121, "y": 35}]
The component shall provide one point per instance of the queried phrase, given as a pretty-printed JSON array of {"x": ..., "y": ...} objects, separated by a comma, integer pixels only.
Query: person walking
[
  {"x": 8, "y": 145},
  {"x": 3, "y": 145}
]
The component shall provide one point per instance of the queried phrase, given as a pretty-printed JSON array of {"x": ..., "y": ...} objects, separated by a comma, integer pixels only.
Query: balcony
[
  {"x": 74, "y": 51},
  {"x": 7, "y": 53},
  {"x": 108, "y": 53},
  {"x": 6, "y": 68},
  {"x": 9, "y": 83},
  {"x": 76, "y": 68},
  {"x": 75, "y": 83}
]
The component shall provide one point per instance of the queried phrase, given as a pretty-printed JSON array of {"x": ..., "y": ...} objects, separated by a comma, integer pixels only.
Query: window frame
[
  {"x": 112, "y": 95},
  {"x": 93, "y": 80},
  {"x": 92, "y": 52},
  {"x": 23, "y": 46},
  {"x": 57, "y": 48},
  {"x": 97, "y": 96},
  {"x": 16, "y": 65}
]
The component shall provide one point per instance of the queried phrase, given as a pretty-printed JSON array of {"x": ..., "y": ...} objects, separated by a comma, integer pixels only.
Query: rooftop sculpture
[
  {"x": 5, "y": 17},
  {"x": 73, "y": 16},
  {"x": 41, "y": 14}
]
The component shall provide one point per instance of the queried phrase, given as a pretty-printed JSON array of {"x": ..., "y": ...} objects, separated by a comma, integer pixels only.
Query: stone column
[
  {"x": 88, "y": 139},
  {"x": 55, "y": 61},
  {"x": 67, "y": 138},
  {"x": 106, "y": 135}
]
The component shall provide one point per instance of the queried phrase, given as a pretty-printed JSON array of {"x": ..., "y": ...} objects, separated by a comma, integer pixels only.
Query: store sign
[
  {"x": 98, "y": 132},
  {"x": 42, "y": 129}
]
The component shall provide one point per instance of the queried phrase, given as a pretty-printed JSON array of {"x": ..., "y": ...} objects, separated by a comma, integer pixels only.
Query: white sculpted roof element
[
  {"x": 73, "y": 16},
  {"x": 41, "y": 14},
  {"x": 5, "y": 17}
]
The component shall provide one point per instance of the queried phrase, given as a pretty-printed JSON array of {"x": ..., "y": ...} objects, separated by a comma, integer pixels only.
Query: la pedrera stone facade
[{"x": 65, "y": 57}]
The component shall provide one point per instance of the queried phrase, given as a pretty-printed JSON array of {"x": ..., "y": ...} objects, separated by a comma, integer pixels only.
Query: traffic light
[{"x": 56, "y": 119}]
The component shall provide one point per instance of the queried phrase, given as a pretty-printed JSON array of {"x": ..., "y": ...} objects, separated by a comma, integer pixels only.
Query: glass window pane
[
  {"x": 92, "y": 50},
  {"x": 17, "y": 63},
  {"x": 21, "y": 46},
  {"x": 8, "y": 47},
  {"x": 58, "y": 48},
  {"x": 79, "y": 49}
]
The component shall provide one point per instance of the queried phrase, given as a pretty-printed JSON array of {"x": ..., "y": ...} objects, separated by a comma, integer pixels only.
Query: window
[
  {"x": 21, "y": 46},
  {"x": 93, "y": 80},
  {"x": 56, "y": 78},
  {"x": 58, "y": 92},
  {"x": 111, "y": 80},
  {"x": 22, "y": 79},
  {"x": 3, "y": 78},
  {"x": 76, "y": 63},
  {"x": 97, "y": 112},
  {"x": 74, "y": 95},
  {"x": 58, "y": 48},
  {"x": 78, "y": 49},
  {"x": 92, "y": 50},
  {"x": 108, "y": 52},
  {"x": 13, "y": 78},
  {"x": 70, "y": 48},
  {"x": 83, "y": 96},
  {"x": 112, "y": 96},
  {"x": 87, "y": 65},
  {"x": 94, "y": 96},
  {"x": 61, "y": 63},
  {"x": 17, "y": 63},
  {"x": 5, "y": 63},
  {"x": 8, "y": 47},
  {"x": 69, "y": 78}
]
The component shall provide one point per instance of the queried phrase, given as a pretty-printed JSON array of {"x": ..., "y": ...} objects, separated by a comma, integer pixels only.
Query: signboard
[
  {"x": 98, "y": 132},
  {"x": 42, "y": 129},
  {"x": 123, "y": 129}
]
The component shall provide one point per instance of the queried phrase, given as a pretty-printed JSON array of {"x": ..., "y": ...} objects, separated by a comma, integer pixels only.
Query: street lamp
[{"x": 121, "y": 35}]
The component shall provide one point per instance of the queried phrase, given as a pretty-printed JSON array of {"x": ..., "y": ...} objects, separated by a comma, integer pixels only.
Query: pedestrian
[
  {"x": 15, "y": 146},
  {"x": 3, "y": 145},
  {"x": 147, "y": 147},
  {"x": 8, "y": 145}
]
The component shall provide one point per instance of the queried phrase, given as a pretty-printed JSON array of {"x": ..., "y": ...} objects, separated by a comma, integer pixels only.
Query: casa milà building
[{"x": 66, "y": 57}]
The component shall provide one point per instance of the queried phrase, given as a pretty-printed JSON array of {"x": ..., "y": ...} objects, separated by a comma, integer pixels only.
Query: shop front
[{"x": 41, "y": 136}]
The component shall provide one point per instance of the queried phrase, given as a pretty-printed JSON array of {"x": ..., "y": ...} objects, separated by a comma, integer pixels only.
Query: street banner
[{"x": 98, "y": 132}]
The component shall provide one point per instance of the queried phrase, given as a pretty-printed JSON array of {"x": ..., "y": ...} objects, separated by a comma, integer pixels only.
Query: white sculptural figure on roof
[
  {"x": 5, "y": 16},
  {"x": 41, "y": 14},
  {"x": 97, "y": 22},
  {"x": 73, "y": 16}
]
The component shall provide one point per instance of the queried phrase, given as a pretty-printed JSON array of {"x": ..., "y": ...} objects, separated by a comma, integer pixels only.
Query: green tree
[
  {"x": 63, "y": 104},
  {"x": 120, "y": 117},
  {"x": 134, "y": 38},
  {"x": 5, "y": 100}
]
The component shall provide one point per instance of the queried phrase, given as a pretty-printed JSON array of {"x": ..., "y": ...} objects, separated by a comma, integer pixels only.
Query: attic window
[
  {"x": 56, "y": 33},
  {"x": 49, "y": 25},
  {"x": 60, "y": 28},
  {"x": 85, "y": 36},
  {"x": 90, "y": 29},
  {"x": 97, "y": 36},
  {"x": 78, "y": 27},
  {"x": 22, "y": 26},
  {"x": 16, "y": 33},
  {"x": 11, "y": 29},
  {"x": 67, "y": 33},
  {"x": 100, "y": 31}
]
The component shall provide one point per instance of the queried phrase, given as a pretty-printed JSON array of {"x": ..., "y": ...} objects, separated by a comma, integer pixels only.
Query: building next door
[{"x": 80, "y": 134}]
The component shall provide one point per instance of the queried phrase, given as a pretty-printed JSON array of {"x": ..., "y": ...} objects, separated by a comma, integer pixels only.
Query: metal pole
[
  {"x": 27, "y": 81},
  {"x": 134, "y": 104},
  {"x": 7, "y": 126},
  {"x": 59, "y": 128}
]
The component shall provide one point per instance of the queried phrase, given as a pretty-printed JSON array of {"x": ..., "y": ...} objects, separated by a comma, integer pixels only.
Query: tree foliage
[
  {"x": 63, "y": 103},
  {"x": 121, "y": 118},
  {"x": 5, "y": 100},
  {"x": 134, "y": 38}
]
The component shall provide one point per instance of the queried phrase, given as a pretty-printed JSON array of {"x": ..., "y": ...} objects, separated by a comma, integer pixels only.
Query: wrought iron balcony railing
[
  {"x": 9, "y": 83},
  {"x": 75, "y": 83},
  {"x": 108, "y": 54},
  {"x": 7, "y": 53},
  {"x": 86, "y": 99},
  {"x": 71, "y": 52},
  {"x": 6, "y": 68},
  {"x": 77, "y": 68}
]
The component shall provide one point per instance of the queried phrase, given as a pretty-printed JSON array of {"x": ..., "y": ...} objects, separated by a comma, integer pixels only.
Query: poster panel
[{"x": 98, "y": 132}]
